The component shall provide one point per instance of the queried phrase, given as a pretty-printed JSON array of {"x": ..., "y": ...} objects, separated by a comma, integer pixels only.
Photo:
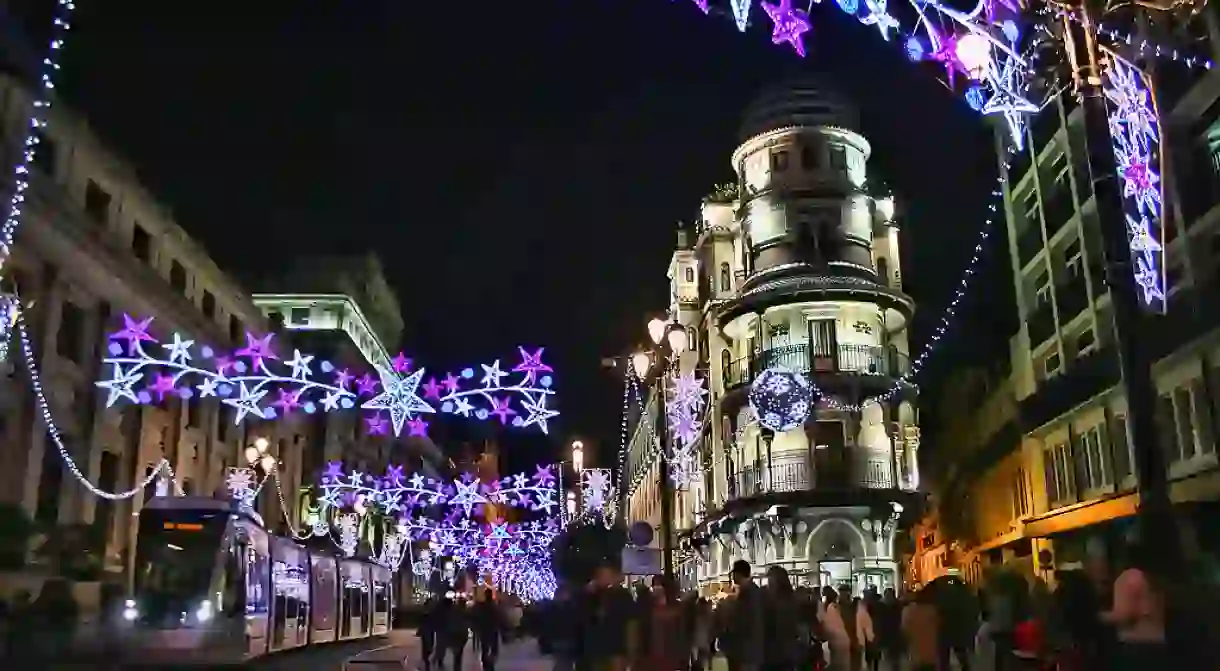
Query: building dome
[{"x": 807, "y": 101}]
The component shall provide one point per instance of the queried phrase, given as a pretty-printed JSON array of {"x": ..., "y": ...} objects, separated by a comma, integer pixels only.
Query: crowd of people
[
  {"x": 1011, "y": 624},
  {"x": 450, "y": 622}
]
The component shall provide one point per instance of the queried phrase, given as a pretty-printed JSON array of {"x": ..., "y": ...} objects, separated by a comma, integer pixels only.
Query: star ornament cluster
[
  {"x": 788, "y": 24},
  {"x": 1135, "y": 129},
  {"x": 685, "y": 410},
  {"x": 521, "y": 396}
]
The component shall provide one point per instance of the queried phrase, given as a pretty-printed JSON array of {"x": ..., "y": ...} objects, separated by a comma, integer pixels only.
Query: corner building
[{"x": 797, "y": 266}]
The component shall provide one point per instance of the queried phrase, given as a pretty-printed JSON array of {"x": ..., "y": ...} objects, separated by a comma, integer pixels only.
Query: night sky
[{"x": 519, "y": 166}]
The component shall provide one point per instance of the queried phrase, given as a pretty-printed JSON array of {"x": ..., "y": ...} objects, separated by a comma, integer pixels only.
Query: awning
[{"x": 1082, "y": 515}]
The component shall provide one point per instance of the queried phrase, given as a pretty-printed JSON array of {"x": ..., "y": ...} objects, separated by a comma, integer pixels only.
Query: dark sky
[{"x": 519, "y": 166}]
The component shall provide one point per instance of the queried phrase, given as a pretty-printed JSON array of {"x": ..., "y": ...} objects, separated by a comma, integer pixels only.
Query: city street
[{"x": 400, "y": 651}]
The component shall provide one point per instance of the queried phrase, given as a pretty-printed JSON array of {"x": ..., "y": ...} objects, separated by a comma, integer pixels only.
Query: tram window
[
  {"x": 383, "y": 603},
  {"x": 281, "y": 614},
  {"x": 234, "y": 598}
]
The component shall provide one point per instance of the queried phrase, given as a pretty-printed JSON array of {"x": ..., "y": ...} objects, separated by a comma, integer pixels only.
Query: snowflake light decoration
[
  {"x": 595, "y": 489},
  {"x": 255, "y": 382},
  {"x": 1136, "y": 132},
  {"x": 781, "y": 399},
  {"x": 684, "y": 411},
  {"x": 242, "y": 485},
  {"x": 349, "y": 533}
]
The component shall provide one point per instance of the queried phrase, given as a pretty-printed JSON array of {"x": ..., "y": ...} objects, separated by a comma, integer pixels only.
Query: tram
[{"x": 212, "y": 587}]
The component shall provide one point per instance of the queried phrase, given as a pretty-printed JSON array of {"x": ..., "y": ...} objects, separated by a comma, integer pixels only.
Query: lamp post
[
  {"x": 669, "y": 341},
  {"x": 578, "y": 457}
]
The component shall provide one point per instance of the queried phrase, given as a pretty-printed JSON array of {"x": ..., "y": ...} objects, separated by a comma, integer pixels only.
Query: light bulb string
[
  {"x": 279, "y": 491},
  {"x": 53, "y": 430},
  {"x": 37, "y": 121}
]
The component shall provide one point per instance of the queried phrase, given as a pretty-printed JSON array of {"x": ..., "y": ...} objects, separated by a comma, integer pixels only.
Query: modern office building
[
  {"x": 1067, "y": 436},
  {"x": 795, "y": 267}
]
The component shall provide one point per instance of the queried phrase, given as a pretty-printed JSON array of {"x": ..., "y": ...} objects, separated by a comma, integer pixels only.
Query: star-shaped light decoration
[
  {"x": 400, "y": 363},
  {"x": 179, "y": 350},
  {"x": 399, "y": 397},
  {"x": 376, "y": 425},
  {"x": 247, "y": 403},
  {"x": 531, "y": 365},
  {"x": 366, "y": 385},
  {"x": 417, "y": 427},
  {"x": 1007, "y": 100},
  {"x": 1141, "y": 183},
  {"x": 134, "y": 332},
  {"x": 946, "y": 55},
  {"x": 257, "y": 349},
  {"x": 1146, "y": 250},
  {"x": 120, "y": 386},
  {"x": 878, "y": 15},
  {"x": 741, "y": 13},
  {"x": 492, "y": 374},
  {"x": 702, "y": 5},
  {"x": 502, "y": 409},
  {"x": 207, "y": 387},
  {"x": 788, "y": 24},
  {"x": 539, "y": 414},
  {"x": 300, "y": 365},
  {"x": 331, "y": 400},
  {"x": 288, "y": 401},
  {"x": 462, "y": 407},
  {"x": 432, "y": 390},
  {"x": 161, "y": 385},
  {"x": 467, "y": 495}
]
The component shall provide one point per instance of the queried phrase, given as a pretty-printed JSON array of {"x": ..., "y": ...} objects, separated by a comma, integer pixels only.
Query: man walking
[{"x": 744, "y": 635}]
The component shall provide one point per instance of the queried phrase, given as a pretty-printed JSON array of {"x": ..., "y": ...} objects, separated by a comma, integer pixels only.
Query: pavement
[{"x": 520, "y": 655}]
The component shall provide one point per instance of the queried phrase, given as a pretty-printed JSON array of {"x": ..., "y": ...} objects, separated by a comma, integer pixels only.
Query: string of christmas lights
[
  {"x": 163, "y": 469},
  {"x": 9, "y": 302}
]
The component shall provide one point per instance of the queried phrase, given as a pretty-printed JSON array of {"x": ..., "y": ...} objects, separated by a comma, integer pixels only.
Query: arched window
[
  {"x": 692, "y": 339},
  {"x": 883, "y": 270},
  {"x": 726, "y": 277},
  {"x": 690, "y": 274},
  {"x": 726, "y": 362}
]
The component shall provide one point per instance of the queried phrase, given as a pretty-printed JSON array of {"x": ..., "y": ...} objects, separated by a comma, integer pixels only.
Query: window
[
  {"x": 44, "y": 153},
  {"x": 1086, "y": 342},
  {"x": 208, "y": 304},
  {"x": 779, "y": 161},
  {"x": 689, "y": 274},
  {"x": 97, "y": 202},
  {"x": 1166, "y": 434},
  {"x": 1120, "y": 450},
  {"x": 1203, "y": 417},
  {"x": 1060, "y": 481},
  {"x": 1184, "y": 422},
  {"x": 809, "y": 159},
  {"x": 726, "y": 361},
  {"x": 107, "y": 480},
  {"x": 69, "y": 340},
  {"x": 1043, "y": 292},
  {"x": 141, "y": 243},
  {"x": 49, "y": 483},
  {"x": 692, "y": 339},
  {"x": 838, "y": 157},
  {"x": 883, "y": 270},
  {"x": 1073, "y": 261},
  {"x": 235, "y": 328},
  {"x": 177, "y": 276},
  {"x": 1020, "y": 495},
  {"x": 726, "y": 277},
  {"x": 1031, "y": 210},
  {"x": 299, "y": 316},
  {"x": 1050, "y": 365},
  {"x": 1093, "y": 463}
]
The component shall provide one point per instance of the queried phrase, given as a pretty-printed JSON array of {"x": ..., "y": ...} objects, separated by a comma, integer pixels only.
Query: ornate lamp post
[{"x": 669, "y": 341}]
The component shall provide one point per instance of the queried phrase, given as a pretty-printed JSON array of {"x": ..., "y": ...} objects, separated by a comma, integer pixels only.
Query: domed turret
[{"x": 807, "y": 101}]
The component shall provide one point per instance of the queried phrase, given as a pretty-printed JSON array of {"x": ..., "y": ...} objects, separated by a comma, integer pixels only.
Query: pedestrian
[
  {"x": 456, "y": 632},
  {"x": 867, "y": 618},
  {"x": 663, "y": 647},
  {"x": 562, "y": 629},
  {"x": 920, "y": 629},
  {"x": 781, "y": 622},
  {"x": 702, "y": 626},
  {"x": 606, "y": 621},
  {"x": 958, "y": 616},
  {"x": 745, "y": 635},
  {"x": 428, "y": 628},
  {"x": 488, "y": 627},
  {"x": 887, "y": 624},
  {"x": 1138, "y": 614}
]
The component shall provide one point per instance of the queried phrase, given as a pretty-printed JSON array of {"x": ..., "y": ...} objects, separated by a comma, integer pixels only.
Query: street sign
[
  {"x": 642, "y": 561},
  {"x": 640, "y": 534}
]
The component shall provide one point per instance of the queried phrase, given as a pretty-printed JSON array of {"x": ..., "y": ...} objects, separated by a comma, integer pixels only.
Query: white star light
[
  {"x": 1005, "y": 100},
  {"x": 119, "y": 386},
  {"x": 331, "y": 400},
  {"x": 246, "y": 403},
  {"x": 300, "y": 365},
  {"x": 492, "y": 374},
  {"x": 538, "y": 413},
  {"x": 179, "y": 350},
  {"x": 462, "y": 407},
  {"x": 467, "y": 496},
  {"x": 398, "y": 397},
  {"x": 878, "y": 16},
  {"x": 207, "y": 387}
]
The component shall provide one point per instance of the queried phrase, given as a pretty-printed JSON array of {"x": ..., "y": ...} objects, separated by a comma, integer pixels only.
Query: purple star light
[
  {"x": 432, "y": 390},
  {"x": 790, "y": 25},
  {"x": 257, "y": 349},
  {"x": 501, "y": 409},
  {"x": 377, "y": 425},
  {"x": 401, "y": 363},
  {"x": 417, "y": 427},
  {"x": 531, "y": 365},
  {"x": 161, "y": 385},
  {"x": 134, "y": 332},
  {"x": 366, "y": 385}
]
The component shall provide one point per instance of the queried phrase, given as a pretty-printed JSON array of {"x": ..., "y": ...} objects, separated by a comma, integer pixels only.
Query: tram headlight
[
  {"x": 130, "y": 613},
  {"x": 204, "y": 612}
]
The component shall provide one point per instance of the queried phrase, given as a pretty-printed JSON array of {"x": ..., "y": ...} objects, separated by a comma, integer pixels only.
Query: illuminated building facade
[{"x": 796, "y": 266}]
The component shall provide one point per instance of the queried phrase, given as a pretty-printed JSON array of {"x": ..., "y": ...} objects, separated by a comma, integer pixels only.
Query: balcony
[
  {"x": 1041, "y": 324},
  {"x": 1086, "y": 377},
  {"x": 817, "y": 471},
  {"x": 865, "y": 360}
]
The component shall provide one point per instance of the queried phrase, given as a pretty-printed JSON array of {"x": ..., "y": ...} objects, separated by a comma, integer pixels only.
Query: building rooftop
[{"x": 804, "y": 101}]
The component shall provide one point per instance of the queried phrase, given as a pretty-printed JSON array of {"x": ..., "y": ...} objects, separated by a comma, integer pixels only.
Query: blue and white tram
[{"x": 212, "y": 586}]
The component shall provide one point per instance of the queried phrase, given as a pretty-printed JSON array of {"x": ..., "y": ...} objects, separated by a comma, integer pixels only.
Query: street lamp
[
  {"x": 578, "y": 456},
  {"x": 257, "y": 454},
  {"x": 669, "y": 340}
]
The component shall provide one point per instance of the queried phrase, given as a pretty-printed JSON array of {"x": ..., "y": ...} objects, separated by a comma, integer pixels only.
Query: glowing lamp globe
[
  {"x": 640, "y": 363},
  {"x": 261, "y": 444},
  {"x": 677, "y": 339},
  {"x": 656, "y": 330},
  {"x": 781, "y": 399},
  {"x": 251, "y": 454},
  {"x": 974, "y": 52},
  {"x": 268, "y": 463}
]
